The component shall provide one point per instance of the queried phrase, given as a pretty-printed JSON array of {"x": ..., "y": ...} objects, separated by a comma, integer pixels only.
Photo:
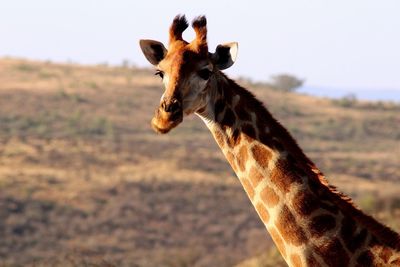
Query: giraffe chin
[{"x": 164, "y": 126}]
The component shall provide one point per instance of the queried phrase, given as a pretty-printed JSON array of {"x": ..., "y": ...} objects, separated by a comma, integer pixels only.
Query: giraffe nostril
[{"x": 173, "y": 107}]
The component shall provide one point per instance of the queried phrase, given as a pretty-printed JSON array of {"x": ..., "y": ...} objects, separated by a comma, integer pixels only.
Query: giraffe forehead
[{"x": 182, "y": 57}]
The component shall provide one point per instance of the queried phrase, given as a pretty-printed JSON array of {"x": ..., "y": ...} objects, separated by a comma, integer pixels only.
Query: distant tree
[
  {"x": 286, "y": 82},
  {"x": 348, "y": 100},
  {"x": 125, "y": 63}
]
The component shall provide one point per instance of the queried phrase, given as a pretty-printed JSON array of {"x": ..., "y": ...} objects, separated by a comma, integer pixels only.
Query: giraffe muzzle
[{"x": 167, "y": 116}]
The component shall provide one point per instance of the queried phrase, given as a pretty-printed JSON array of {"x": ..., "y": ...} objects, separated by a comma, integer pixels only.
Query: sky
[{"x": 336, "y": 46}]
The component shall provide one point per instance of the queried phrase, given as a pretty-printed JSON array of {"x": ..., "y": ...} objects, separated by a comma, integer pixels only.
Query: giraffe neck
[{"x": 309, "y": 222}]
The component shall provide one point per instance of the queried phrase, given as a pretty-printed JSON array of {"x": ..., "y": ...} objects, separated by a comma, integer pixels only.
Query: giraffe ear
[
  {"x": 225, "y": 55},
  {"x": 154, "y": 51}
]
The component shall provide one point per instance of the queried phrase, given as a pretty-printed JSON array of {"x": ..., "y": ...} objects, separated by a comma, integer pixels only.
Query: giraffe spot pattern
[
  {"x": 241, "y": 111},
  {"x": 322, "y": 195},
  {"x": 350, "y": 239},
  {"x": 314, "y": 184},
  {"x": 304, "y": 203},
  {"x": 228, "y": 95},
  {"x": 283, "y": 177},
  {"x": 296, "y": 167},
  {"x": 385, "y": 254},
  {"x": 277, "y": 145},
  {"x": 330, "y": 208},
  {"x": 269, "y": 197},
  {"x": 219, "y": 108},
  {"x": 299, "y": 171},
  {"x": 311, "y": 261},
  {"x": 249, "y": 132},
  {"x": 321, "y": 224},
  {"x": 291, "y": 160},
  {"x": 242, "y": 158},
  {"x": 266, "y": 139},
  {"x": 234, "y": 140},
  {"x": 333, "y": 253},
  {"x": 295, "y": 260},
  {"x": 262, "y": 212},
  {"x": 365, "y": 259},
  {"x": 278, "y": 241},
  {"x": 255, "y": 177},
  {"x": 395, "y": 262},
  {"x": 289, "y": 229},
  {"x": 235, "y": 101},
  {"x": 229, "y": 118},
  {"x": 261, "y": 155}
]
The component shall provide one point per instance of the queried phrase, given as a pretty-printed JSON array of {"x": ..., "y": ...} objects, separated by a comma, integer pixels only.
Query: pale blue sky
[{"x": 336, "y": 44}]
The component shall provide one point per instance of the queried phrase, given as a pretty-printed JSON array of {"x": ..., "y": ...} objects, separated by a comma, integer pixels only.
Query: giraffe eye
[
  {"x": 204, "y": 74},
  {"x": 159, "y": 73}
]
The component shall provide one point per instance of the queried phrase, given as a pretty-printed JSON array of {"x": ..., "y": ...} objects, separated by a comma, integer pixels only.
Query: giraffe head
[{"x": 186, "y": 69}]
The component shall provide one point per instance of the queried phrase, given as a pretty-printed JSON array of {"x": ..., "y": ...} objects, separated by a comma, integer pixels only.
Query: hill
[{"x": 84, "y": 180}]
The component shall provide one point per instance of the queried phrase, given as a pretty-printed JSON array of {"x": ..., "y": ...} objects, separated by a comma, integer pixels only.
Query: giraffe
[{"x": 310, "y": 221}]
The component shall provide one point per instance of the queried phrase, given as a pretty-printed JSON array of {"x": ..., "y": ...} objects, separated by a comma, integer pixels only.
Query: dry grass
[{"x": 85, "y": 182}]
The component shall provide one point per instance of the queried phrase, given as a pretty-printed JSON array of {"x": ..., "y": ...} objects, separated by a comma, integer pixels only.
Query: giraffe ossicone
[{"x": 311, "y": 223}]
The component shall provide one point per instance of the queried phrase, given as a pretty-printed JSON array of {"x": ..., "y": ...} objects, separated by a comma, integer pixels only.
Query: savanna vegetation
[{"x": 84, "y": 181}]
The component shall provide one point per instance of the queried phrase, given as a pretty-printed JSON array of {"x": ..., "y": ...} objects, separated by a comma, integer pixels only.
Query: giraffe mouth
[{"x": 163, "y": 122}]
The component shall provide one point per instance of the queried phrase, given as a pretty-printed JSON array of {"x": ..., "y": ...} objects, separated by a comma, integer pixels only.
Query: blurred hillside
[{"x": 84, "y": 181}]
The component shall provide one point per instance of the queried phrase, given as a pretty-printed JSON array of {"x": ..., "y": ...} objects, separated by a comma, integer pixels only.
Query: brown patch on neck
[
  {"x": 395, "y": 262},
  {"x": 311, "y": 261},
  {"x": 234, "y": 140},
  {"x": 295, "y": 260},
  {"x": 242, "y": 158},
  {"x": 304, "y": 203},
  {"x": 385, "y": 254},
  {"x": 283, "y": 177},
  {"x": 320, "y": 224},
  {"x": 289, "y": 229},
  {"x": 269, "y": 197},
  {"x": 241, "y": 111},
  {"x": 255, "y": 177},
  {"x": 366, "y": 259},
  {"x": 262, "y": 212},
  {"x": 262, "y": 155},
  {"x": 229, "y": 118},
  {"x": 351, "y": 239},
  {"x": 333, "y": 253},
  {"x": 249, "y": 132},
  {"x": 219, "y": 107}
]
